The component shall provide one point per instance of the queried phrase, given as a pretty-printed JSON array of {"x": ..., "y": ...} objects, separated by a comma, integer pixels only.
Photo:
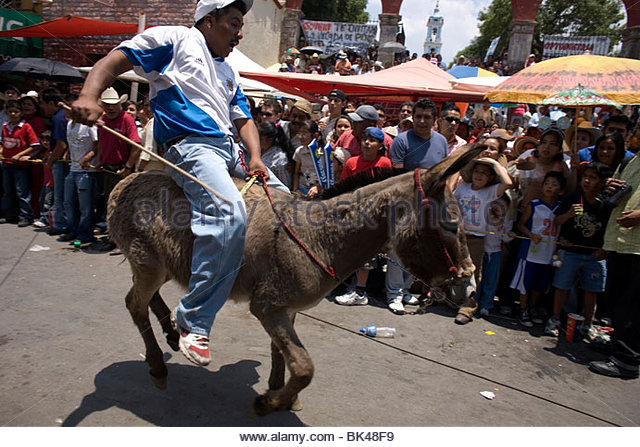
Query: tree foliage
[
  {"x": 352, "y": 11},
  {"x": 579, "y": 18},
  {"x": 494, "y": 22},
  {"x": 566, "y": 17}
]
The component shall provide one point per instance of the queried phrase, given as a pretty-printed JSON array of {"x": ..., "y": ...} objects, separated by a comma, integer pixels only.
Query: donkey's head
[{"x": 433, "y": 247}]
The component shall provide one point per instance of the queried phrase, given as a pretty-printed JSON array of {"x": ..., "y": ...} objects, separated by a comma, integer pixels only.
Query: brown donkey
[{"x": 149, "y": 220}]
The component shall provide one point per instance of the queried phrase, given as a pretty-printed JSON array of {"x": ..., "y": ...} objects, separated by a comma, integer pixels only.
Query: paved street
[{"x": 70, "y": 355}]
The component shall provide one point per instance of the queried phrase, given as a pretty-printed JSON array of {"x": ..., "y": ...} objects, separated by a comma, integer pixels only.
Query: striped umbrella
[{"x": 465, "y": 71}]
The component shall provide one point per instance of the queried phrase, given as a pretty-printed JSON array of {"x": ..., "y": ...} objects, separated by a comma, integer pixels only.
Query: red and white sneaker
[{"x": 195, "y": 347}]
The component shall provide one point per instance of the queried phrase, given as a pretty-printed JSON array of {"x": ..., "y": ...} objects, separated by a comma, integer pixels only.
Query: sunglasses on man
[
  {"x": 452, "y": 119},
  {"x": 267, "y": 114}
]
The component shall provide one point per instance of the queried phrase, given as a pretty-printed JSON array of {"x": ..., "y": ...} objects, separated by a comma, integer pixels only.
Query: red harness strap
[
  {"x": 424, "y": 200},
  {"x": 328, "y": 270}
]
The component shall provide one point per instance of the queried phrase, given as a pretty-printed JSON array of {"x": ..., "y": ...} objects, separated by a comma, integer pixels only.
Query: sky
[{"x": 460, "y": 22}]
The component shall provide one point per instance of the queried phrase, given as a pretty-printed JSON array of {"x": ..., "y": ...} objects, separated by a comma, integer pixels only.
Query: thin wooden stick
[{"x": 156, "y": 156}]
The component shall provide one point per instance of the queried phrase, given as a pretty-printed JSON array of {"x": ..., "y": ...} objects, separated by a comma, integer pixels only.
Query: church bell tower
[{"x": 434, "y": 31}]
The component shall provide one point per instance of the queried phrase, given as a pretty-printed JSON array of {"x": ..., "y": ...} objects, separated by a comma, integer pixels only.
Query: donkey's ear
[
  {"x": 437, "y": 176},
  {"x": 459, "y": 159}
]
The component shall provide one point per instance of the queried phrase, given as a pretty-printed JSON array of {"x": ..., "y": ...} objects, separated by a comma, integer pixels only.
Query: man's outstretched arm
[{"x": 86, "y": 108}]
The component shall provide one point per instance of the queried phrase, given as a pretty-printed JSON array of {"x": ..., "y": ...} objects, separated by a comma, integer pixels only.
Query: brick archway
[
  {"x": 631, "y": 34},
  {"x": 294, "y": 4},
  {"x": 521, "y": 31},
  {"x": 524, "y": 19},
  {"x": 391, "y": 6}
]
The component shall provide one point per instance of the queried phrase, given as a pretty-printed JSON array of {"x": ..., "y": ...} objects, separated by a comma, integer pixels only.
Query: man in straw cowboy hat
[
  {"x": 196, "y": 102},
  {"x": 117, "y": 157}
]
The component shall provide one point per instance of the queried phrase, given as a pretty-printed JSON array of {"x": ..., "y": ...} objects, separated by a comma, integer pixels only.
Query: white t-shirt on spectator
[
  {"x": 81, "y": 140},
  {"x": 474, "y": 205},
  {"x": 308, "y": 174}
]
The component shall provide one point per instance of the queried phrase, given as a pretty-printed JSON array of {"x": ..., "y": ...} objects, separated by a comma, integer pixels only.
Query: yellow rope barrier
[
  {"x": 38, "y": 161},
  {"x": 565, "y": 244}
]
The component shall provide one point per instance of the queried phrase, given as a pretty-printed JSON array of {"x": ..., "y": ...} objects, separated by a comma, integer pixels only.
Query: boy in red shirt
[
  {"x": 372, "y": 147},
  {"x": 18, "y": 142}
]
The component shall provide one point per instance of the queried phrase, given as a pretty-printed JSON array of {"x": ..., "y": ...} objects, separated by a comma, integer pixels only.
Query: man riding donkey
[{"x": 196, "y": 102}]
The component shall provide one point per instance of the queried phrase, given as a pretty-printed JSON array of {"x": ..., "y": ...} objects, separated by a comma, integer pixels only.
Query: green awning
[{"x": 19, "y": 46}]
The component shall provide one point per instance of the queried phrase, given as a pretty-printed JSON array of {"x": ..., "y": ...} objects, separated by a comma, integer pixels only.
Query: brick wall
[{"x": 83, "y": 51}]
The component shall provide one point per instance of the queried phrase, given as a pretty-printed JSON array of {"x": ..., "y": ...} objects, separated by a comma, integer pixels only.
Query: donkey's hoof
[
  {"x": 296, "y": 405},
  {"x": 462, "y": 319},
  {"x": 159, "y": 382},
  {"x": 261, "y": 406}
]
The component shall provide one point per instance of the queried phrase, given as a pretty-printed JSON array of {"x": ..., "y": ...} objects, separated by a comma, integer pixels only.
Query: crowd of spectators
[
  {"x": 57, "y": 174},
  {"x": 540, "y": 230},
  {"x": 538, "y": 223},
  {"x": 348, "y": 62}
]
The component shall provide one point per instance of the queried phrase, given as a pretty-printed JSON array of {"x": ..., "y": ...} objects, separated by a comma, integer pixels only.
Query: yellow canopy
[{"x": 614, "y": 77}]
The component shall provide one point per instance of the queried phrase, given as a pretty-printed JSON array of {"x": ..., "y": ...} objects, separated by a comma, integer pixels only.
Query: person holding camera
[
  {"x": 622, "y": 241},
  {"x": 582, "y": 218}
]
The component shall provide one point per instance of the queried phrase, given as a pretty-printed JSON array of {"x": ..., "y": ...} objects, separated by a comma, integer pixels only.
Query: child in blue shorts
[
  {"x": 584, "y": 220},
  {"x": 533, "y": 273}
]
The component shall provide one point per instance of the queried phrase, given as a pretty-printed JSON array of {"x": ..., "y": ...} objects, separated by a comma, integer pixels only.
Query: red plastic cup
[{"x": 574, "y": 322}]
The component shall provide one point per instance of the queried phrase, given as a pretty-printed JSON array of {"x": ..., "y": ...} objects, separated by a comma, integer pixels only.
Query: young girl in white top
[
  {"x": 305, "y": 177},
  {"x": 547, "y": 157},
  {"x": 489, "y": 180}
]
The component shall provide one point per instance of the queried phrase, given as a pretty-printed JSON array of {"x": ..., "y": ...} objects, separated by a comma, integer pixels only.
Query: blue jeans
[
  {"x": 60, "y": 169},
  {"x": 16, "y": 182},
  {"x": 489, "y": 282},
  {"x": 397, "y": 281},
  {"x": 592, "y": 273},
  {"x": 79, "y": 188},
  {"x": 46, "y": 202},
  {"x": 219, "y": 228}
]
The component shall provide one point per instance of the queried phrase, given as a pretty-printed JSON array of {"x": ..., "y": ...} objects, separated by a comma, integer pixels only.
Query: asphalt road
[{"x": 70, "y": 355}]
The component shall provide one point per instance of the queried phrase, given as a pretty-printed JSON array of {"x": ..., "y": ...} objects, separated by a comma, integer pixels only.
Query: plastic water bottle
[
  {"x": 382, "y": 332},
  {"x": 77, "y": 245}
]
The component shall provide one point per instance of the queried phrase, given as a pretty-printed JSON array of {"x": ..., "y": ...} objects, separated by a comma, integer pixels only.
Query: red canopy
[
  {"x": 409, "y": 81},
  {"x": 71, "y": 26}
]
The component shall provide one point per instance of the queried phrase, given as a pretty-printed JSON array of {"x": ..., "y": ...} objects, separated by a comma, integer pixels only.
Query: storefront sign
[
  {"x": 334, "y": 36},
  {"x": 560, "y": 46}
]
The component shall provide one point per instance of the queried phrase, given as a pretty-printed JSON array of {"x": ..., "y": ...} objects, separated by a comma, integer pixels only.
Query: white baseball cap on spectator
[{"x": 205, "y": 7}]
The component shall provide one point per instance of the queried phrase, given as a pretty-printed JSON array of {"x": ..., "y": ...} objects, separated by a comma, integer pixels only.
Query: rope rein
[{"x": 424, "y": 200}]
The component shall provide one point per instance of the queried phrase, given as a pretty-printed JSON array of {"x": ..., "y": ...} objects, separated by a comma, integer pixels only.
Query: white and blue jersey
[
  {"x": 191, "y": 92},
  {"x": 541, "y": 222}
]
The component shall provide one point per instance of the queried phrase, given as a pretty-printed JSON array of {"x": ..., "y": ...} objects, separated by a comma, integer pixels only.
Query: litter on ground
[
  {"x": 488, "y": 394},
  {"x": 37, "y": 247}
]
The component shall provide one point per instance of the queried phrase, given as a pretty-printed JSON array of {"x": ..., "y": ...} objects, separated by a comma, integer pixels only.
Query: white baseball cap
[{"x": 205, "y": 7}]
